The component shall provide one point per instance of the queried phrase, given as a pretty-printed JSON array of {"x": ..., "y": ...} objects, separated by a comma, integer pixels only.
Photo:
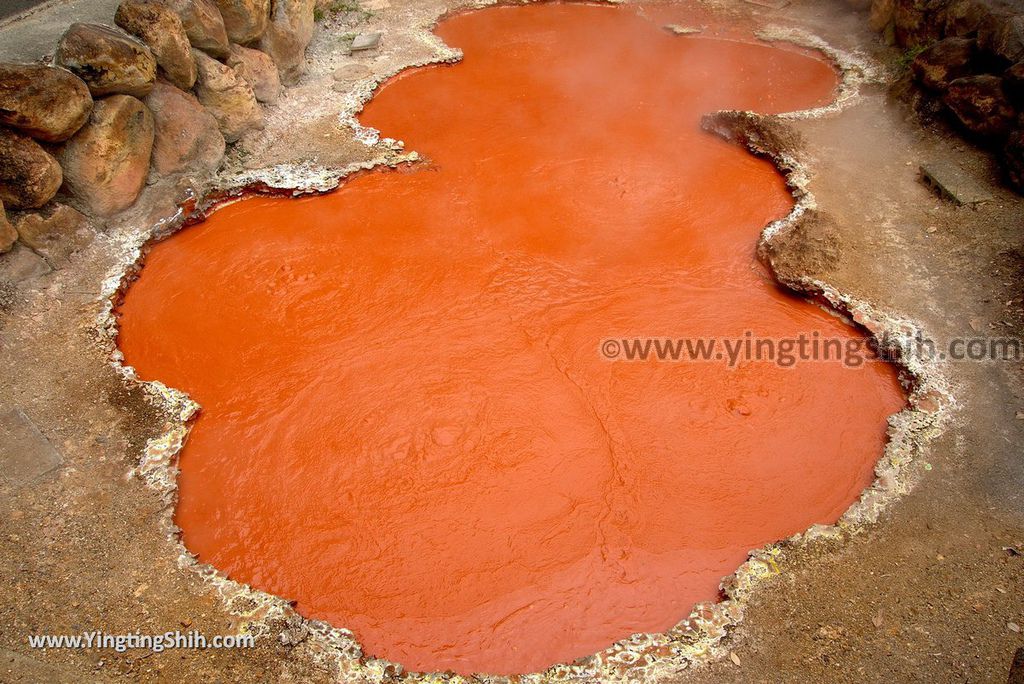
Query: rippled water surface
[{"x": 408, "y": 426}]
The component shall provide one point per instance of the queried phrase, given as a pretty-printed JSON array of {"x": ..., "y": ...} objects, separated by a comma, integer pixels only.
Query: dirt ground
[{"x": 929, "y": 593}]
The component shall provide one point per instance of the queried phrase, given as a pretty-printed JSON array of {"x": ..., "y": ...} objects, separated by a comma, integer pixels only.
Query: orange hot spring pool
[{"x": 408, "y": 425}]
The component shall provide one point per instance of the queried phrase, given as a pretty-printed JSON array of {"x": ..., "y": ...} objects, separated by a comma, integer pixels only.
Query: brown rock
[
  {"x": 23, "y": 265},
  {"x": 161, "y": 29},
  {"x": 943, "y": 62},
  {"x": 881, "y": 15},
  {"x": 257, "y": 69},
  {"x": 1017, "y": 668},
  {"x": 1013, "y": 159},
  {"x": 8, "y": 235},
  {"x": 1002, "y": 36},
  {"x": 29, "y": 176},
  {"x": 287, "y": 35},
  {"x": 187, "y": 136},
  {"x": 203, "y": 25},
  {"x": 48, "y": 103},
  {"x": 229, "y": 98},
  {"x": 918, "y": 22},
  {"x": 908, "y": 18},
  {"x": 981, "y": 105},
  {"x": 108, "y": 60},
  {"x": 963, "y": 17},
  {"x": 56, "y": 231},
  {"x": 106, "y": 163},
  {"x": 245, "y": 20},
  {"x": 1013, "y": 83}
]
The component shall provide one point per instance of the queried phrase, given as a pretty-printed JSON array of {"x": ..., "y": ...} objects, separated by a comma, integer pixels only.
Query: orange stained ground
[{"x": 408, "y": 426}]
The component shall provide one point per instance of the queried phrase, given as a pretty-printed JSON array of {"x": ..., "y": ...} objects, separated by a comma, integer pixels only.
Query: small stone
[
  {"x": 29, "y": 176},
  {"x": 106, "y": 163},
  {"x": 680, "y": 30},
  {"x": 161, "y": 29},
  {"x": 228, "y": 97},
  {"x": 109, "y": 61},
  {"x": 245, "y": 20},
  {"x": 366, "y": 41},
  {"x": 203, "y": 25},
  {"x": 258, "y": 70},
  {"x": 48, "y": 103}
]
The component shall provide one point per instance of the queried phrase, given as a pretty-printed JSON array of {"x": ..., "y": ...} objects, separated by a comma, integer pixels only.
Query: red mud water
[{"x": 408, "y": 426}]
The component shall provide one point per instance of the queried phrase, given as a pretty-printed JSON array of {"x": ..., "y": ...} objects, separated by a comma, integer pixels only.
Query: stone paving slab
[
  {"x": 953, "y": 183},
  {"x": 366, "y": 41},
  {"x": 25, "y": 454}
]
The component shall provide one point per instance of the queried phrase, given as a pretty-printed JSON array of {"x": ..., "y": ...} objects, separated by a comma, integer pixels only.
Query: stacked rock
[
  {"x": 970, "y": 57},
  {"x": 162, "y": 92}
]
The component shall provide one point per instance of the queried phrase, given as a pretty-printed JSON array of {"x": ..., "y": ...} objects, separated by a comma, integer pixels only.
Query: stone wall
[
  {"x": 158, "y": 93},
  {"x": 969, "y": 56}
]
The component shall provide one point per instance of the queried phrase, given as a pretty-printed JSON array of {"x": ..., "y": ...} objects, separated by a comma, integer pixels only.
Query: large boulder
[
  {"x": 109, "y": 61},
  {"x": 943, "y": 62},
  {"x": 8, "y": 235},
  {"x": 56, "y": 231},
  {"x": 161, "y": 29},
  {"x": 187, "y": 136},
  {"x": 1013, "y": 159},
  {"x": 29, "y": 176},
  {"x": 287, "y": 35},
  {"x": 918, "y": 22},
  {"x": 981, "y": 105},
  {"x": 963, "y": 17},
  {"x": 48, "y": 103},
  {"x": 203, "y": 25},
  {"x": 1002, "y": 36},
  {"x": 258, "y": 70},
  {"x": 228, "y": 97},
  {"x": 881, "y": 14},
  {"x": 106, "y": 163},
  {"x": 245, "y": 20}
]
